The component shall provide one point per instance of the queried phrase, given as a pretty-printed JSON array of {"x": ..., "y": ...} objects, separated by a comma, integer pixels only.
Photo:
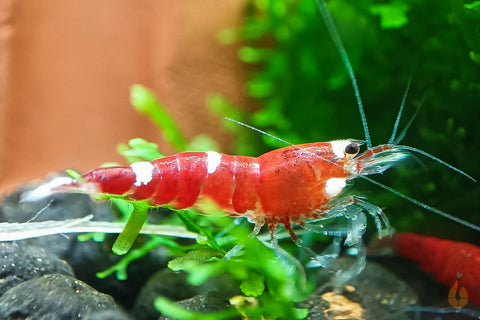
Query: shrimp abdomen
[{"x": 180, "y": 180}]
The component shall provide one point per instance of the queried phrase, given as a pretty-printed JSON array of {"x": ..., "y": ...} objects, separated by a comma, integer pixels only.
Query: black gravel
[
  {"x": 54, "y": 296},
  {"x": 54, "y": 277},
  {"x": 22, "y": 262}
]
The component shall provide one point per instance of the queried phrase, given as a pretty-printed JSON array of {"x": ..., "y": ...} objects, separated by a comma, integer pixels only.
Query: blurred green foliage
[{"x": 303, "y": 92}]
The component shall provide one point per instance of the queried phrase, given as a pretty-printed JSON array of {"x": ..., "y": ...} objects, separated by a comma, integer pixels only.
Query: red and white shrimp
[
  {"x": 283, "y": 186},
  {"x": 298, "y": 184}
]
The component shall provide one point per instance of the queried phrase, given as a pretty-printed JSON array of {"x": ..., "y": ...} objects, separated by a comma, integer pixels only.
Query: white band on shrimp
[
  {"x": 334, "y": 186},
  {"x": 213, "y": 161},
  {"x": 338, "y": 147},
  {"x": 143, "y": 171}
]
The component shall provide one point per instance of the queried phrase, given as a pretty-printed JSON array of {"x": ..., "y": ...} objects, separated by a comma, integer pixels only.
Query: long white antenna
[
  {"x": 423, "y": 205},
  {"x": 428, "y": 155},
  {"x": 258, "y": 130},
  {"x": 399, "y": 115},
  {"x": 327, "y": 18}
]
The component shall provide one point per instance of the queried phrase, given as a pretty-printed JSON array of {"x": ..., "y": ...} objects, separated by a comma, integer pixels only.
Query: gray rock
[
  {"x": 210, "y": 302},
  {"x": 53, "y": 296},
  {"x": 56, "y": 207},
  {"x": 374, "y": 294},
  {"x": 88, "y": 257},
  {"x": 166, "y": 283},
  {"x": 110, "y": 314},
  {"x": 20, "y": 262}
]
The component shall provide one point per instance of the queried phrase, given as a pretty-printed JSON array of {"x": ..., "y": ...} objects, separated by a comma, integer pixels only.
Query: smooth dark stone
[
  {"x": 21, "y": 262},
  {"x": 53, "y": 296}
]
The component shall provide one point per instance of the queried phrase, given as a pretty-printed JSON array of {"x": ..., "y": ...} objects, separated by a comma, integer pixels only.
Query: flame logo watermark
[{"x": 462, "y": 294}]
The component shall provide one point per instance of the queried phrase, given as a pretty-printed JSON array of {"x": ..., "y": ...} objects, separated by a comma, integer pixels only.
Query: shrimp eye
[{"x": 352, "y": 149}]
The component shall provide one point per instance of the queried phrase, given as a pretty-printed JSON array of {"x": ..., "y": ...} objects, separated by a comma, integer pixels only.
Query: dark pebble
[
  {"x": 86, "y": 258},
  {"x": 374, "y": 294},
  {"x": 166, "y": 283},
  {"x": 53, "y": 296},
  {"x": 211, "y": 302},
  {"x": 21, "y": 262},
  {"x": 110, "y": 314}
]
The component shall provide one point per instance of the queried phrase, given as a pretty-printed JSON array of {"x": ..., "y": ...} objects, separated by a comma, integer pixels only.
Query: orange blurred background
[{"x": 67, "y": 68}]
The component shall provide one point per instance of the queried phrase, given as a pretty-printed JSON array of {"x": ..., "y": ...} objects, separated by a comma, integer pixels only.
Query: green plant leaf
[
  {"x": 203, "y": 143},
  {"x": 73, "y": 174},
  {"x": 254, "y": 285},
  {"x": 392, "y": 15},
  {"x": 139, "y": 149},
  {"x": 145, "y": 102},
  {"x": 127, "y": 237},
  {"x": 124, "y": 206},
  {"x": 174, "y": 311},
  {"x": 253, "y": 55},
  {"x": 95, "y": 236},
  {"x": 473, "y": 5},
  {"x": 120, "y": 268},
  {"x": 190, "y": 225},
  {"x": 301, "y": 313},
  {"x": 193, "y": 258},
  {"x": 219, "y": 105}
]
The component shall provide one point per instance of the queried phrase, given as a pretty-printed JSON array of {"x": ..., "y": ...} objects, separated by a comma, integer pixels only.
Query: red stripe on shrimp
[
  {"x": 220, "y": 180},
  {"x": 245, "y": 195}
]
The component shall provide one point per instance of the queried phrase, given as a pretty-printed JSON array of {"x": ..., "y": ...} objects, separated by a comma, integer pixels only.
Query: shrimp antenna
[
  {"x": 327, "y": 18},
  {"x": 258, "y": 130},
  {"x": 399, "y": 115},
  {"x": 423, "y": 205},
  {"x": 428, "y": 155},
  {"x": 404, "y": 131},
  {"x": 40, "y": 211},
  {"x": 395, "y": 142}
]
